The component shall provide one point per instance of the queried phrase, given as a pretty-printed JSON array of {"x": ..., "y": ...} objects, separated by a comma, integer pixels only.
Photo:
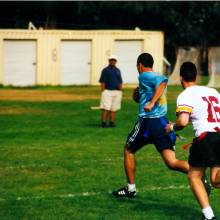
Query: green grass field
[{"x": 57, "y": 163}]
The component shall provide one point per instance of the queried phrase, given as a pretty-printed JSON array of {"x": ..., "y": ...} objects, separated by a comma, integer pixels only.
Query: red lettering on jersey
[{"x": 213, "y": 110}]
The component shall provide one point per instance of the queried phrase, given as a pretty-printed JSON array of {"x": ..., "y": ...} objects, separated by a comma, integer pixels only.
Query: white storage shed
[{"x": 73, "y": 57}]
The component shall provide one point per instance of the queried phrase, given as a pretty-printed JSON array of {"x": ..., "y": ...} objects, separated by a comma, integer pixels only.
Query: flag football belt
[{"x": 201, "y": 136}]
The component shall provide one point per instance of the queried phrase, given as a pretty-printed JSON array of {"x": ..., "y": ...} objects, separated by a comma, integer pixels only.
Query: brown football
[{"x": 135, "y": 95}]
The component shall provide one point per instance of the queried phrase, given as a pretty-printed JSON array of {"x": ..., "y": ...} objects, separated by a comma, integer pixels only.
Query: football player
[
  {"x": 150, "y": 126},
  {"x": 201, "y": 105}
]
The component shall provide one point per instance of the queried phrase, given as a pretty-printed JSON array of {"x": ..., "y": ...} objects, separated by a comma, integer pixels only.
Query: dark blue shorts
[{"x": 150, "y": 131}]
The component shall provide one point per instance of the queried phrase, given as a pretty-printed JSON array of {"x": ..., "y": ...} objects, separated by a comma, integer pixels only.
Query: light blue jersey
[{"x": 148, "y": 82}]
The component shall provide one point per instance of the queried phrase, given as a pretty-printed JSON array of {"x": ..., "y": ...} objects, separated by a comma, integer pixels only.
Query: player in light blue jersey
[
  {"x": 148, "y": 82},
  {"x": 150, "y": 127}
]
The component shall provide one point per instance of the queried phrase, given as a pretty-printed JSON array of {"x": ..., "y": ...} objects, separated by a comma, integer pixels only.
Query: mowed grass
[{"x": 56, "y": 162}]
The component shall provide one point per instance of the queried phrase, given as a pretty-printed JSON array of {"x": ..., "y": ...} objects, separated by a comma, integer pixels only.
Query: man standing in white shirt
[{"x": 201, "y": 105}]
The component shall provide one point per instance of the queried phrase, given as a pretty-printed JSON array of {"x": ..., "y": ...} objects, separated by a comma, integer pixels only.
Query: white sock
[
  {"x": 208, "y": 212},
  {"x": 131, "y": 187}
]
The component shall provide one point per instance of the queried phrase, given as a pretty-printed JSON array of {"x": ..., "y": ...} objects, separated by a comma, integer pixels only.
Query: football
[{"x": 135, "y": 95}]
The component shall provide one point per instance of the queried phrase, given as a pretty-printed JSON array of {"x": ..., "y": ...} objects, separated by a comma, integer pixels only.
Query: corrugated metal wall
[{"x": 102, "y": 43}]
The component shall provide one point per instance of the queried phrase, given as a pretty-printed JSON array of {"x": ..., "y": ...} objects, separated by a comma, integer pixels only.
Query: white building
[{"x": 64, "y": 57}]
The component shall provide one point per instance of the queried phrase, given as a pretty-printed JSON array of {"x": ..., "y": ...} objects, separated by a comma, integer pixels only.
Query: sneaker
[
  {"x": 124, "y": 192},
  {"x": 206, "y": 184},
  {"x": 204, "y": 218}
]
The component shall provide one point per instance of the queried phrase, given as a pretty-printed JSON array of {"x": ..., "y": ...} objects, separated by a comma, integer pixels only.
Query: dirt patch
[
  {"x": 19, "y": 111},
  {"x": 39, "y": 95}
]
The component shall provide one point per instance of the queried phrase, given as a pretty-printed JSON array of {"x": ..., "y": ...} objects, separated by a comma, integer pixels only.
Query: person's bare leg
[
  {"x": 129, "y": 166},
  {"x": 105, "y": 114},
  {"x": 195, "y": 175},
  {"x": 170, "y": 160},
  {"x": 112, "y": 116},
  {"x": 195, "y": 180},
  {"x": 215, "y": 177}
]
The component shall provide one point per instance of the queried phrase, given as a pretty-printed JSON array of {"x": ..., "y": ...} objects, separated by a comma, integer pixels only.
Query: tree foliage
[{"x": 188, "y": 23}]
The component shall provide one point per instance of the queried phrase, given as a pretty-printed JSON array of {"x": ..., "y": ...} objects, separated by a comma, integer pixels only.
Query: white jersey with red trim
[{"x": 203, "y": 105}]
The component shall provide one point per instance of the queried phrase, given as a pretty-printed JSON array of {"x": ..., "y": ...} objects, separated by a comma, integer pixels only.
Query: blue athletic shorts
[{"x": 150, "y": 131}]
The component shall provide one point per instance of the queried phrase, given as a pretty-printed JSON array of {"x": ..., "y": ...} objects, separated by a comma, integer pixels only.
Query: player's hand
[
  {"x": 148, "y": 108},
  {"x": 168, "y": 127}
]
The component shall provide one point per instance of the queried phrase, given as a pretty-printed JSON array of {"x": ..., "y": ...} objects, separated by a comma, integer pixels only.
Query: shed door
[
  {"x": 75, "y": 62},
  {"x": 19, "y": 62},
  {"x": 127, "y": 53}
]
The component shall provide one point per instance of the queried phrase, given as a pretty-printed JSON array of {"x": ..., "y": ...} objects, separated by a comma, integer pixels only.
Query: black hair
[
  {"x": 145, "y": 59},
  {"x": 188, "y": 71}
]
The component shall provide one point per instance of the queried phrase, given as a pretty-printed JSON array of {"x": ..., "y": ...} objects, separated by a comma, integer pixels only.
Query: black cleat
[
  {"x": 204, "y": 218},
  {"x": 112, "y": 124},
  {"x": 124, "y": 192},
  {"x": 206, "y": 184},
  {"x": 104, "y": 125}
]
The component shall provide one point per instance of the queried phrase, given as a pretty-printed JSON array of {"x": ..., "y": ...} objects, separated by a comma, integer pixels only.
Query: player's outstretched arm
[
  {"x": 158, "y": 93},
  {"x": 181, "y": 123}
]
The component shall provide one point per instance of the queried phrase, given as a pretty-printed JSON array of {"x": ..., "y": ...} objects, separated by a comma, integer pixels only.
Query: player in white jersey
[
  {"x": 201, "y": 105},
  {"x": 204, "y": 107}
]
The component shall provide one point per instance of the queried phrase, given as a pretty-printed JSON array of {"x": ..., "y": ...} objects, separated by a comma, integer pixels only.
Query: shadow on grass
[
  {"x": 98, "y": 125},
  {"x": 163, "y": 206},
  {"x": 93, "y": 125}
]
